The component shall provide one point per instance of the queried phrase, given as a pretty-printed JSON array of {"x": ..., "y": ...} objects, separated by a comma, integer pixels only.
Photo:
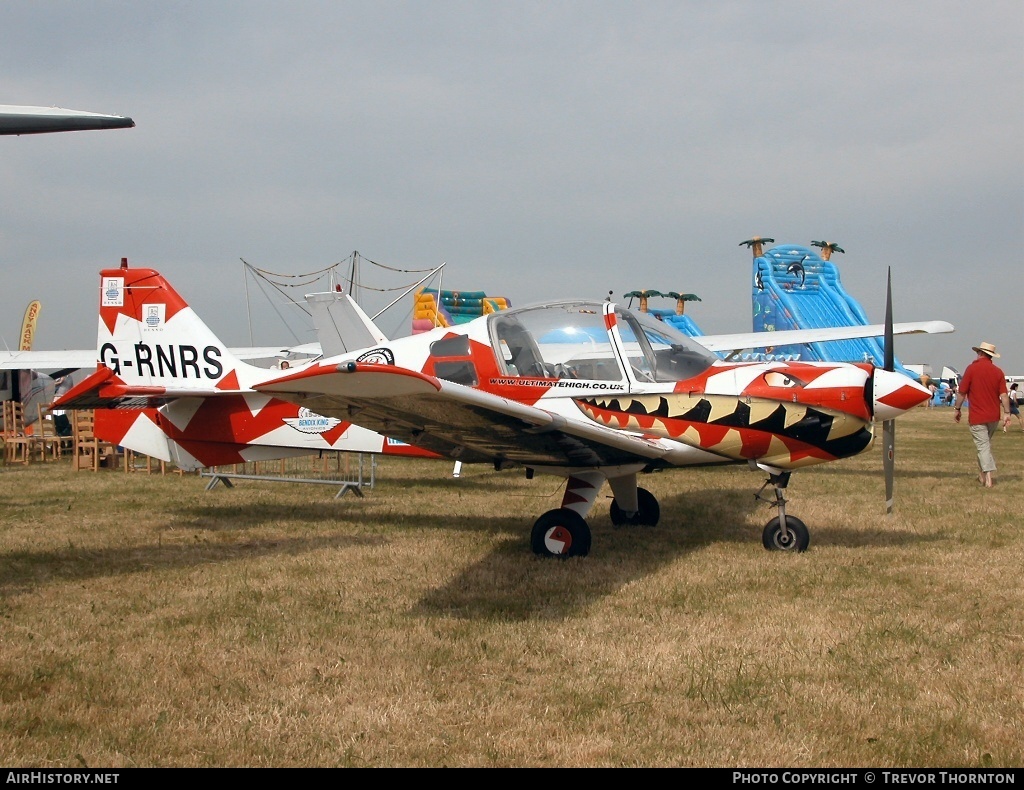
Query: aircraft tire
[
  {"x": 647, "y": 516},
  {"x": 561, "y": 533},
  {"x": 798, "y": 539}
]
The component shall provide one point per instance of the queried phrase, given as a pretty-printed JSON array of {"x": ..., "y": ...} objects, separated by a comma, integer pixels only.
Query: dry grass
[{"x": 146, "y": 622}]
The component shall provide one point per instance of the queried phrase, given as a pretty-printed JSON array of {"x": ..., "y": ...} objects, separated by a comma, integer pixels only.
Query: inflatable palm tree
[
  {"x": 643, "y": 296},
  {"x": 827, "y": 248},
  {"x": 756, "y": 245},
  {"x": 681, "y": 299}
]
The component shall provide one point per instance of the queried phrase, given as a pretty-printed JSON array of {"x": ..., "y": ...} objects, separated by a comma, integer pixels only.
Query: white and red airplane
[{"x": 586, "y": 390}]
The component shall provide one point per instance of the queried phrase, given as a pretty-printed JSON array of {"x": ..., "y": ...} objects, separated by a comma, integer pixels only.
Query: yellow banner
[{"x": 28, "y": 326}]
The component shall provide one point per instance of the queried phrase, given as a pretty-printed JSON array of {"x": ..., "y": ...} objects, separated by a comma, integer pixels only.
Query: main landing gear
[
  {"x": 647, "y": 513},
  {"x": 561, "y": 533},
  {"x": 564, "y": 532},
  {"x": 782, "y": 533}
]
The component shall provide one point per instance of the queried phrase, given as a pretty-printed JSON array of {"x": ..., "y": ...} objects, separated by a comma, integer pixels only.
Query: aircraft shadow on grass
[
  {"x": 497, "y": 586},
  {"x": 25, "y": 570}
]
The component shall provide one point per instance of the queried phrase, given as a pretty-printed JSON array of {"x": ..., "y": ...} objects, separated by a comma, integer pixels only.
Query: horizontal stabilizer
[{"x": 104, "y": 390}]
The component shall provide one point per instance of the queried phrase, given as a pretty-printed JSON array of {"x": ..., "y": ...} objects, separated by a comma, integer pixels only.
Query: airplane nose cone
[{"x": 896, "y": 394}]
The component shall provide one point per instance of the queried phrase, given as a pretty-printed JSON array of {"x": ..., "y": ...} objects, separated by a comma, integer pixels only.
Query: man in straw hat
[{"x": 983, "y": 386}]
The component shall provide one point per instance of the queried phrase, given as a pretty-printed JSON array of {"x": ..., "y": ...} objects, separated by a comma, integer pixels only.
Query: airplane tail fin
[
  {"x": 167, "y": 387},
  {"x": 341, "y": 324},
  {"x": 154, "y": 343}
]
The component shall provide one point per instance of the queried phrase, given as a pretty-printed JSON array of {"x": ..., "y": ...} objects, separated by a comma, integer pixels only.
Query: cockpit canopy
[{"x": 578, "y": 340}]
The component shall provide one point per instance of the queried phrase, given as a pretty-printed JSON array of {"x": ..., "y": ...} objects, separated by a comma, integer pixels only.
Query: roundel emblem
[{"x": 378, "y": 356}]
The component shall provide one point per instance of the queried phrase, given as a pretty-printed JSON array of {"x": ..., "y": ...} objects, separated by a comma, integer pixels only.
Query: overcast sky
[{"x": 539, "y": 149}]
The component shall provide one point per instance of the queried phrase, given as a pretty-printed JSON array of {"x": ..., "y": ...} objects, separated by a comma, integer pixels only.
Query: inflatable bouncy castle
[{"x": 435, "y": 308}]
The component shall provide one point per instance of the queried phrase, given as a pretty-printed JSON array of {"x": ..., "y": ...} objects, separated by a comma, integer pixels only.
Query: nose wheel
[
  {"x": 782, "y": 533},
  {"x": 794, "y": 537}
]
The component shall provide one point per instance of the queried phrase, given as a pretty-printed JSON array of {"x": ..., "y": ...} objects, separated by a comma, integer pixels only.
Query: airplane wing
[
  {"x": 732, "y": 344},
  {"x": 73, "y": 359},
  {"x": 16, "y": 119},
  {"x": 305, "y": 350},
  {"x": 467, "y": 424},
  {"x": 266, "y": 352}
]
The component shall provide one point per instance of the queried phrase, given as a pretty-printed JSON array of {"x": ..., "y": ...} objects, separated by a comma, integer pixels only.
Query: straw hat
[{"x": 985, "y": 348}]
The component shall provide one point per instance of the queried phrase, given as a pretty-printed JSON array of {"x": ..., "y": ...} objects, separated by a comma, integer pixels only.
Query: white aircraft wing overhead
[
  {"x": 265, "y": 352},
  {"x": 461, "y": 422},
  {"x": 70, "y": 359},
  {"x": 306, "y": 350},
  {"x": 750, "y": 340},
  {"x": 17, "y": 119}
]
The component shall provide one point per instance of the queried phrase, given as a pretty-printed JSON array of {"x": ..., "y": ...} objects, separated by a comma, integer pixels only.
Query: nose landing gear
[{"x": 782, "y": 533}]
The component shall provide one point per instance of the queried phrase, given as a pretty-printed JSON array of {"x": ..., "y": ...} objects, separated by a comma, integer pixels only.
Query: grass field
[{"x": 147, "y": 622}]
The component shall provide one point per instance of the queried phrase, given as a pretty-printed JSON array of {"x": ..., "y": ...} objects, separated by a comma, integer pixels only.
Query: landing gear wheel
[
  {"x": 796, "y": 538},
  {"x": 647, "y": 516},
  {"x": 561, "y": 533}
]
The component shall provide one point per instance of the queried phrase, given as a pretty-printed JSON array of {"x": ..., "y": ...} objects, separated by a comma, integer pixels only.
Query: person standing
[
  {"x": 61, "y": 421},
  {"x": 1014, "y": 396},
  {"x": 983, "y": 386}
]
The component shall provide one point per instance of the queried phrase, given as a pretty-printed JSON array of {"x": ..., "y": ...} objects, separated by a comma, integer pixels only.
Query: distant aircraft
[
  {"x": 588, "y": 391},
  {"x": 17, "y": 119}
]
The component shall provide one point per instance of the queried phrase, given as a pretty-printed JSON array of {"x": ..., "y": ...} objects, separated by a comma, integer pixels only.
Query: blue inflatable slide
[{"x": 794, "y": 288}]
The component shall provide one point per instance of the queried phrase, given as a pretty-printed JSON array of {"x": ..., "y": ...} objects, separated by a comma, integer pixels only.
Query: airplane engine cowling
[{"x": 895, "y": 393}]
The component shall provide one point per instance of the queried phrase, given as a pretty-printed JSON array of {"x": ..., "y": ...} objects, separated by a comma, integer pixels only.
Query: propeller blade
[
  {"x": 889, "y": 426},
  {"x": 890, "y": 358},
  {"x": 889, "y": 461}
]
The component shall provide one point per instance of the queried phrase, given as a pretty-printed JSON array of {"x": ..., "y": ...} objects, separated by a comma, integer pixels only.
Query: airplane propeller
[{"x": 889, "y": 426}]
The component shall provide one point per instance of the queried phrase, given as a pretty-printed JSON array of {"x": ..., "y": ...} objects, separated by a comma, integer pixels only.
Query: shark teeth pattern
[{"x": 780, "y": 433}]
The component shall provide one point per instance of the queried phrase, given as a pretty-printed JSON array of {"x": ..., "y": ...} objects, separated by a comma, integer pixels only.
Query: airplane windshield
[
  {"x": 567, "y": 340},
  {"x": 658, "y": 351}
]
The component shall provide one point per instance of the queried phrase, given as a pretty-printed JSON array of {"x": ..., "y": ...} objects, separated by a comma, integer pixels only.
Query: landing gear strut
[
  {"x": 782, "y": 533},
  {"x": 564, "y": 532},
  {"x": 647, "y": 513}
]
